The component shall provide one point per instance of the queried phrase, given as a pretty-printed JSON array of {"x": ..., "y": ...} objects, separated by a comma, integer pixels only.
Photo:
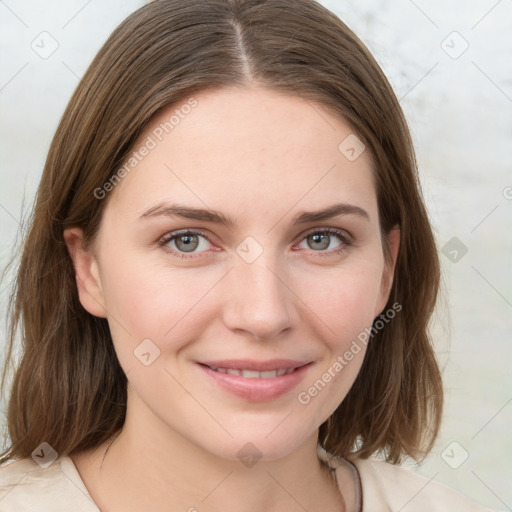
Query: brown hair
[{"x": 68, "y": 388}]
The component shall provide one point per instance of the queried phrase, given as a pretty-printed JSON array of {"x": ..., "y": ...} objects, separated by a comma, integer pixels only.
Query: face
[{"x": 229, "y": 302}]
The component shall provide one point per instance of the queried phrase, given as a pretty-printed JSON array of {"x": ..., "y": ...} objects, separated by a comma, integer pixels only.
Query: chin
[{"x": 250, "y": 446}]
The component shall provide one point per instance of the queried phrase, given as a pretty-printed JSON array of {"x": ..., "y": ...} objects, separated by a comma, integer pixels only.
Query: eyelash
[{"x": 342, "y": 235}]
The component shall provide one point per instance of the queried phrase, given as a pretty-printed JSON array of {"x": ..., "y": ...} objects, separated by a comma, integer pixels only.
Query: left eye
[
  {"x": 186, "y": 242},
  {"x": 321, "y": 240}
]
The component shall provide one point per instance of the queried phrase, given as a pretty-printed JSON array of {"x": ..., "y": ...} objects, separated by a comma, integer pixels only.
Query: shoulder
[
  {"x": 403, "y": 489},
  {"x": 27, "y": 486}
]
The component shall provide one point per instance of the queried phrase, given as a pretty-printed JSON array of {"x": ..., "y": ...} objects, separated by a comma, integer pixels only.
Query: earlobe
[
  {"x": 389, "y": 268},
  {"x": 87, "y": 276}
]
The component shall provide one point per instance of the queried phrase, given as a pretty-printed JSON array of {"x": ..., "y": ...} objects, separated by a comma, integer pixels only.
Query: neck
[{"x": 151, "y": 467}]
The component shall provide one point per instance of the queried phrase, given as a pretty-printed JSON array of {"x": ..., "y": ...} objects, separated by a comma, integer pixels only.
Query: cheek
[
  {"x": 344, "y": 301},
  {"x": 145, "y": 301},
  {"x": 344, "y": 305}
]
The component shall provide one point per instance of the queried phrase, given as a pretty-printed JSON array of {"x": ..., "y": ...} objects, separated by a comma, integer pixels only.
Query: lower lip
[{"x": 256, "y": 390}]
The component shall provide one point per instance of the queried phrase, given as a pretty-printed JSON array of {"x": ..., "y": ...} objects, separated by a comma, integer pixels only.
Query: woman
[{"x": 187, "y": 346}]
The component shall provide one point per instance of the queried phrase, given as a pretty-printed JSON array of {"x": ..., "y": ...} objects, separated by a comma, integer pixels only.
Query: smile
[
  {"x": 255, "y": 381},
  {"x": 252, "y": 374}
]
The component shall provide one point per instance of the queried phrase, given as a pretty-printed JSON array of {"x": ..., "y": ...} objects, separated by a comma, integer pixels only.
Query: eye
[
  {"x": 320, "y": 239},
  {"x": 184, "y": 242}
]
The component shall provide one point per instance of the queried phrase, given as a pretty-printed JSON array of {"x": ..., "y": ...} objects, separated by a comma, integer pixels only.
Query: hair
[{"x": 68, "y": 388}]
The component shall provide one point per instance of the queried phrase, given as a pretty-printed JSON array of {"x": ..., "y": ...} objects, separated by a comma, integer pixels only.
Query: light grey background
[{"x": 459, "y": 107}]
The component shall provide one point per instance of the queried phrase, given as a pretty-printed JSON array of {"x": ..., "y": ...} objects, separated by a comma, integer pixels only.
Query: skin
[{"x": 259, "y": 157}]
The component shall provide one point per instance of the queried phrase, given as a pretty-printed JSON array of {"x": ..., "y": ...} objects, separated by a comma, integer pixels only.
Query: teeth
[
  {"x": 252, "y": 374},
  {"x": 268, "y": 375}
]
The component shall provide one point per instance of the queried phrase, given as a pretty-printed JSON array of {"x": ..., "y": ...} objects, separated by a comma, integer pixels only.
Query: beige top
[{"x": 379, "y": 487}]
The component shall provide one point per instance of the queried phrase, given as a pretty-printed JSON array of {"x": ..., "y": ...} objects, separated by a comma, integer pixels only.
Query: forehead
[{"x": 246, "y": 149}]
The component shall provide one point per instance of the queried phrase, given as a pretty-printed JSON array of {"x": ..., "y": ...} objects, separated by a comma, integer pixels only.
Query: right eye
[{"x": 184, "y": 242}]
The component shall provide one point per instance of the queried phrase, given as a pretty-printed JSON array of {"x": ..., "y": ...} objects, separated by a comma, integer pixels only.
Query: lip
[
  {"x": 256, "y": 389},
  {"x": 258, "y": 366}
]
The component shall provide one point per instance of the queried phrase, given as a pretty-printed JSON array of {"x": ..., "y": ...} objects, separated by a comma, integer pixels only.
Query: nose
[{"x": 259, "y": 301}]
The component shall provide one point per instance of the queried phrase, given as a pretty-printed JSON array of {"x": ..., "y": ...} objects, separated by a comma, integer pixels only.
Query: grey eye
[
  {"x": 320, "y": 241},
  {"x": 187, "y": 242}
]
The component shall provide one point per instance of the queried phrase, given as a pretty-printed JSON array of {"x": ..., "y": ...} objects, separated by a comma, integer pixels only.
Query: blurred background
[{"x": 451, "y": 67}]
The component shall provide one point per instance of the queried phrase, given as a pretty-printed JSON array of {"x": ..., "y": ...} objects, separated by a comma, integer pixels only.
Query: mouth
[
  {"x": 256, "y": 380},
  {"x": 251, "y": 369},
  {"x": 253, "y": 374}
]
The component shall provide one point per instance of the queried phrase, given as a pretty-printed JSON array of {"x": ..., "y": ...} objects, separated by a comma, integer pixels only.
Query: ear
[
  {"x": 87, "y": 276},
  {"x": 389, "y": 270}
]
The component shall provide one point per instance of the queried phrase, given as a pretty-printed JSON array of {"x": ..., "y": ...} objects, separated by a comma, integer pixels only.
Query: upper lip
[{"x": 258, "y": 366}]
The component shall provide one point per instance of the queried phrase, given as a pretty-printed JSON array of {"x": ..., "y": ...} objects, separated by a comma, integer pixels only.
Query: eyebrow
[{"x": 304, "y": 217}]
